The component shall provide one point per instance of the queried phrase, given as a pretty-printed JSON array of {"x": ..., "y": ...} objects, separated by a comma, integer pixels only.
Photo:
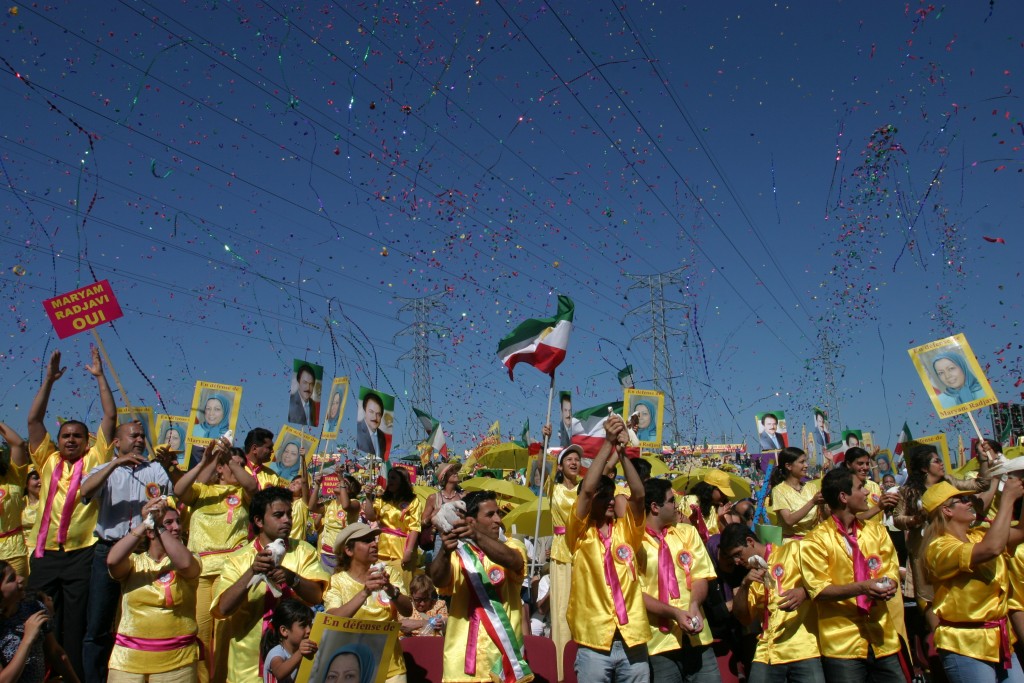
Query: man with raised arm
[
  {"x": 606, "y": 606},
  {"x": 484, "y": 581},
  {"x": 61, "y": 561},
  {"x": 120, "y": 488}
]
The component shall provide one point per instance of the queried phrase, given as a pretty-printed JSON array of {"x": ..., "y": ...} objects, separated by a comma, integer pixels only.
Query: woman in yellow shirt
[
  {"x": 12, "y": 499},
  {"x": 968, "y": 572},
  {"x": 335, "y": 516},
  {"x": 30, "y": 511},
  {"x": 362, "y": 588},
  {"x": 218, "y": 491},
  {"x": 794, "y": 503},
  {"x": 157, "y": 631},
  {"x": 398, "y": 514}
]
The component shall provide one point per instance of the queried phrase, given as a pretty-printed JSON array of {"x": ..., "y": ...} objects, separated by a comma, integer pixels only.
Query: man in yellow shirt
[
  {"x": 775, "y": 595},
  {"x": 858, "y": 461},
  {"x": 676, "y": 570},
  {"x": 850, "y": 570},
  {"x": 247, "y": 610},
  {"x": 61, "y": 564},
  {"x": 259, "y": 447},
  {"x": 485, "y": 620},
  {"x": 606, "y": 606}
]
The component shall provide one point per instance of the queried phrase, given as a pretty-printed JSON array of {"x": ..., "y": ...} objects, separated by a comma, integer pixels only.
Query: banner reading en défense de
[
  {"x": 82, "y": 309},
  {"x": 350, "y": 649}
]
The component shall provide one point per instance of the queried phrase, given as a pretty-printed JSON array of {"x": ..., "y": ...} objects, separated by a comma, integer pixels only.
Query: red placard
[{"x": 82, "y": 309}]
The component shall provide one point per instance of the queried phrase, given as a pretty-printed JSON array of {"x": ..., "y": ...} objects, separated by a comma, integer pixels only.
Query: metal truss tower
[
  {"x": 655, "y": 312},
  {"x": 424, "y": 311}
]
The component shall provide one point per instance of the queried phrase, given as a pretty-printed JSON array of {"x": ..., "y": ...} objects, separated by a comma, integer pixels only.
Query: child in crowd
[
  {"x": 429, "y": 613},
  {"x": 286, "y": 642}
]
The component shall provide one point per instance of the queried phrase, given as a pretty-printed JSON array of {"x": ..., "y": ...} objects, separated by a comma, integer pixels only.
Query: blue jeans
[
  {"x": 961, "y": 669},
  {"x": 804, "y": 671},
  {"x": 620, "y": 664},
  {"x": 104, "y": 599},
  {"x": 871, "y": 670},
  {"x": 686, "y": 665}
]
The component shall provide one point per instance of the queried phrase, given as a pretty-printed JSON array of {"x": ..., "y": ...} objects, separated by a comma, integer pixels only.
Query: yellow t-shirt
[
  {"x": 456, "y": 640},
  {"x": 789, "y": 636},
  {"x": 785, "y": 497},
  {"x": 1015, "y": 570},
  {"x": 265, "y": 477},
  {"x": 219, "y": 523},
  {"x": 843, "y": 631},
  {"x": 300, "y": 519},
  {"x": 391, "y": 548},
  {"x": 335, "y": 519},
  {"x": 12, "y": 501},
  {"x": 563, "y": 499},
  {"x": 688, "y": 553},
  {"x": 874, "y": 493},
  {"x": 244, "y": 627},
  {"x": 376, "y": 608},
  {"x": 46, "y": 459},
  {"x": 29, "y": 517},
  {"x": 687, "y": 503},
  {"x": 591, "y": 615},
  {"x": 145, "y": 613},
  {"x": 963, "y": 594}
]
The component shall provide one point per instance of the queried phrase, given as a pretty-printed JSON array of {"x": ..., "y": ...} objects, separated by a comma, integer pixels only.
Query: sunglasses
[{"x": 965, "y": 499}]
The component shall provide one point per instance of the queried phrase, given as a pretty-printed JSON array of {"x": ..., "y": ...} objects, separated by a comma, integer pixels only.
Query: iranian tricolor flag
[
  {"x": 435, "y": 435},
  {"x": 541, "y": 342},
  {"x": 903, "y": 438},
  {"x": 592, "y": 437}
]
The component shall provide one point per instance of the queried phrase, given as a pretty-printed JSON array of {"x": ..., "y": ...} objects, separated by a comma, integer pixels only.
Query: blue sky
[{"x": 263, "y": 183}]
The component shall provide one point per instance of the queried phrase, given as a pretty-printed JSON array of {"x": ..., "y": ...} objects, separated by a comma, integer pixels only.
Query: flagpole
[{"x": 540, "y": 491}]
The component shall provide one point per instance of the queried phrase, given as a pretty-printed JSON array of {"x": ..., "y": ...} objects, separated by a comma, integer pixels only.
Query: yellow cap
[
  {"x": 720, "y": 480},
  {"x": 938, "y": 494}
]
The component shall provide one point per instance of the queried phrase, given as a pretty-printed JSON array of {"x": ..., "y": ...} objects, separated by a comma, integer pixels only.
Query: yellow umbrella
[
  {"x": 740, "y": 486},
  {"x": 505, "y": 489},
  {"x": 658, "y": 466},
  {"x": 505, "y": 456},
  {"x": 423, "y": 492},
  {"x": 524, "y": 518}
]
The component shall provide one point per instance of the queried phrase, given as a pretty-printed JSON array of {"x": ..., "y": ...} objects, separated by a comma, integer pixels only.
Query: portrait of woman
[
  {"x": 287, "y": 463},
  {"x": 214, "y": 418},
  {"x": 173, "y": 437},
  {"x": 333, "y": 413},
  {"x": 646, "y": 412},
  {"x": 957, "y": 382},
  {"x": 353, "y": 663}
]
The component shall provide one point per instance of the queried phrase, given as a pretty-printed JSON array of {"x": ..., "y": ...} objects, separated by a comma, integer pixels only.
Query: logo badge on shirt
[
  {"x": 685, "y": 560},
  {"x": 874, "y": 566},
  {"x": 496, "y": 576},
  {"x": 623, "y": 553},
  {"x": 153, "y": 490}
]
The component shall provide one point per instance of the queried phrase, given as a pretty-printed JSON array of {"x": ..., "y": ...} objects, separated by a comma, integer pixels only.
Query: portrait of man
[
  {"x": 373, "y": 429},
  {"x": 304, "y": 400},
  {"x": 820, "y": 433},
  {"x": 568, "y": 426},
  {"x": 771, "y": 431}
]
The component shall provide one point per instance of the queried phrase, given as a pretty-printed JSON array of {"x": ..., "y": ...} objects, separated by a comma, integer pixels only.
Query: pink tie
[
  {"x": 612, "y": 577},
  {"x": 69, "y": 504},
  {"x": 668, "y": 584},
  {"x": 860, "y": 565}
]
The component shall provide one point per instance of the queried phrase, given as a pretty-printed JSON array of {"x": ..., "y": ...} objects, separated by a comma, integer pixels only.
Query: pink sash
[
  {"x": 559, "y": 531},
  {"x": 860, "y": 565},
  {"x": 612, "y": 577},
  {"x": 155, "y": 644},
  {"x": 697, "y": 517},
  {"x": 668, "y": 584},
  {"x": 69, "y": 504},
  {"x": 1005, "y": 652}
]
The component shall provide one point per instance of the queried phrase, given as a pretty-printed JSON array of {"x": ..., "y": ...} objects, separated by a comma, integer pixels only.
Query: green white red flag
[
  {"x": 435, "y": 435},
  {"x": 903, "y": 438},
  {"x": 541, "y": 342},
  {"x": 592, "y": 420}
]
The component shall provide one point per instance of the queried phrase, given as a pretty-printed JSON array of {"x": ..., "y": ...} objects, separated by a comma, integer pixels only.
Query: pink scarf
[
  {"x": 697, "y": 518},
  {"x": 668, "y": 584},
  {"x": 612, "y": 577},
  {"x": 69, "y": 504},
  {"x": 860, "y": 565}
]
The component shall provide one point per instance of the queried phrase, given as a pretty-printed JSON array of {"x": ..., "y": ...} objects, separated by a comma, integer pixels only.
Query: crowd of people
[{"x": 115, "y": 566}]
